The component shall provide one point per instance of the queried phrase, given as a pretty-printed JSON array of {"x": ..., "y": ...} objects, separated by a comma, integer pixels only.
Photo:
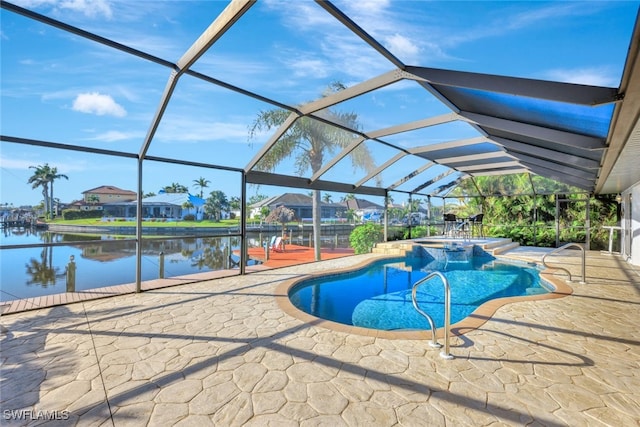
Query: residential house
[
  {"x": 301, "y": 204},
  {"x": 163, "y": 205},
  {"x": 95, "y": 198},
  {"x": 365, "y": 210}
]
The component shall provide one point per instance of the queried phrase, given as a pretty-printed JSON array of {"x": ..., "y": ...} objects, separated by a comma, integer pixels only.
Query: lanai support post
[
  {"x": 386, "y": 215},
  {"x": 243, "y": 225},
  {"x": 139, "y": 230}
]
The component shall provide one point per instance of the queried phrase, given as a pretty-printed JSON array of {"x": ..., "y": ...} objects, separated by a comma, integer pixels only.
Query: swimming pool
[{"x": 378, "y": 296}]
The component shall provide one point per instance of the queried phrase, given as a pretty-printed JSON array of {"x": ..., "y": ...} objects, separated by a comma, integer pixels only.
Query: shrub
[
  {"x": 69, "y": 214},
  {"x": 364, "y": 237},
  {"x": 189, "y": 217}
]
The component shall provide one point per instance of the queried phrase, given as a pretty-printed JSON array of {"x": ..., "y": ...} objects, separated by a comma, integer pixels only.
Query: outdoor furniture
[
  {"x": 462, "y": 228},
  {"x": 476, "y": 225},
  {"x": 611, "y": 228},
  {"x": 450, "y": 224}
]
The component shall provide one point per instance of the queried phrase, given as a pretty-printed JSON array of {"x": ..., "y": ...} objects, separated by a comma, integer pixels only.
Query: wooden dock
[{"x": 295, "y": 254}]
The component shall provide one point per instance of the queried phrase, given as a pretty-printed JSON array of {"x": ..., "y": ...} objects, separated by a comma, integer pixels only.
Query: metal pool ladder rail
[
  {"x": 584, "y": 264},
  {"x": 447, "y": 312}
]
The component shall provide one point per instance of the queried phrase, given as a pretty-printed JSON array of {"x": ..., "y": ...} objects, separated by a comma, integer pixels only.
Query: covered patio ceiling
[{"x": 584, "y": 136}]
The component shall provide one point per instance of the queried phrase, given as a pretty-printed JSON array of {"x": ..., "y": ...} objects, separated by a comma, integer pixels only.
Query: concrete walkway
[{"x": 223, "y": 353}]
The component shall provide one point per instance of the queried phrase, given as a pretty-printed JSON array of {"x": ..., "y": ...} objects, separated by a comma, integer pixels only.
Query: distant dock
[{"x": 22, "y": 223}]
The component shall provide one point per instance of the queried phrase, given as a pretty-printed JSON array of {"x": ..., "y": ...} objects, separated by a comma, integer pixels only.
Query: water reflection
[
  {"x": 41, "y": 272},
  {"x": 106, "y": 263}
]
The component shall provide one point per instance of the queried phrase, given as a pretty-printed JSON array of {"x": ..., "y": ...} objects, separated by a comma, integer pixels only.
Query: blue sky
[{"x": 62, "y": 88}]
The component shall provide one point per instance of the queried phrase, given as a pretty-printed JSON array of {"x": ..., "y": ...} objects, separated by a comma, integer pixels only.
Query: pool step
[
  {"x": 394, "y": 248},
  {"x": 497, "y": 248}
]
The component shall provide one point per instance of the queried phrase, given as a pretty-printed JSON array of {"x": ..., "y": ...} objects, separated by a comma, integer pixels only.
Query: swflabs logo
[{"x": 32, "y": 414}]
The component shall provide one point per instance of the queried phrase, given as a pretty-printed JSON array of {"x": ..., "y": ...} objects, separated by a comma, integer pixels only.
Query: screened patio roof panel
[
  {"x": 305, "y": 146},
  {"x": 431, "y": 174},
  {"x": 257, "y": 53},
  {"x": 41, "y": 102},
  {"x": 377, "y": 109},
  {"x": 450, "y": 130},
  {"x": 211, "y": 128},
  {"x": 364, "y": 163},
  {"x": 400, "y": 170},
  {"x": 581, "y": 119},
  {"x": 447, "y": 155},
  {"x": 498, "y": 135}
]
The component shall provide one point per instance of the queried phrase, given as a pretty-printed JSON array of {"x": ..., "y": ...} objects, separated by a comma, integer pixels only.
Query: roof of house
[
  {"x": 286, "y": 199},
  {"x": 176, "y": 199},
  {"x": 361, "y": 204},
  {"x": 110, "y": 189}
]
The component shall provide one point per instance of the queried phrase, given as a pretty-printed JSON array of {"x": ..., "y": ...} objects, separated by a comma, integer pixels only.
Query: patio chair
[
  {"x": 278, "y": 245},
  {"x": 450, "y": 224},
  {"x": 476, "y": 225}
]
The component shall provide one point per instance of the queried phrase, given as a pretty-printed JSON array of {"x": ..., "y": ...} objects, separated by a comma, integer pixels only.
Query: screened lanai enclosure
[{"x": 349, "y": 113}]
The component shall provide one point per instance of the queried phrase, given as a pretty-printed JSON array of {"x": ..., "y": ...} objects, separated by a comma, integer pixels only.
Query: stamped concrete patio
[{"x": 223, "y": 353}]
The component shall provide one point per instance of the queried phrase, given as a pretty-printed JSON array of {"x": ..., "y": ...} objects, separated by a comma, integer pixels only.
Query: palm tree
[
  {"x": 187, "y": 205},
  {"x": 201, "y": 183},
  {"x": 175, "y": 188},
  {"x": 215, "y": 204},
  {"x": 326, "y": 198},
  {"x": 52, "y": 176},
  {"x": 92, "y": 199},
  {"x": 40, "y": 178},
  {"x": 311, "y": 141}
]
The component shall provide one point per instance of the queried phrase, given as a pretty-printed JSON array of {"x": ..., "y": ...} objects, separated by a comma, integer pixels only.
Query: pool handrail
[
  {"x": 447, "y": 312},
  {"x": 584, "y": 263}
]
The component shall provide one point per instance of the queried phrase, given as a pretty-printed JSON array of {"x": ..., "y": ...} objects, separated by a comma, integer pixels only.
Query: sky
[{"x": 62, "y": 88}]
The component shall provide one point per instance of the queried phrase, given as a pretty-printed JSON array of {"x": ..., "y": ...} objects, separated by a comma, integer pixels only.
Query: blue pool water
[{"x": 379, "y": 296}]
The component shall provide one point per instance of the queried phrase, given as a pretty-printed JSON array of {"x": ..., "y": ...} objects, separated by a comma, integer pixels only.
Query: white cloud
[
  {"x": 188, "y": 129},
  {"x": 89, "y": 8},
  {"x": 593, "y": 76},
  {"x": 8, "y": 163},
  {"x": 96, "y": 103},
  {"x": 63, "y": 166},
  {"x": 402, "y": 46},
  {"x": 114, "y": 136},
  {"x": 309, "y": 68}
]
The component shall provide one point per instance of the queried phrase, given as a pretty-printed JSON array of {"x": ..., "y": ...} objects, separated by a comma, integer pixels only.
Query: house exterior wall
[
  {"x": 630, "y": 223},
  {"x": 109, "y": 198}
]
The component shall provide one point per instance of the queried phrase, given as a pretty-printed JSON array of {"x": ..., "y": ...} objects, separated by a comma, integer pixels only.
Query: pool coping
[{"x": 475, "y": 320}]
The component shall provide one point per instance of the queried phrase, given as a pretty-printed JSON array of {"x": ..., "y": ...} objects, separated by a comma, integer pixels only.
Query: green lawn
[{"x": 97, "y": 222}]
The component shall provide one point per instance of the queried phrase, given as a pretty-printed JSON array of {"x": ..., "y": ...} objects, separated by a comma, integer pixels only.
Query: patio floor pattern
[{"x": 223, "y": 353}]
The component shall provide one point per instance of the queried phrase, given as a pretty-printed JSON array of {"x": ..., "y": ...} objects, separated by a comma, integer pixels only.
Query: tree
[
  {"x": 310, "y": 141},
  {"x": 187, "y": 205},
  {"x": 175, "y": 188},
  {"x": 326, "y": 198},
  {"x": 40, "y": 179},
  {"x": 281, "y": 214},
  {"x": 215, "y": 204},
  {"x": 201, "y": 183},
  {"x": 92, "y": 199},
  {"x": 257, "y": 198},
  {"x": 52, "y": 176}
]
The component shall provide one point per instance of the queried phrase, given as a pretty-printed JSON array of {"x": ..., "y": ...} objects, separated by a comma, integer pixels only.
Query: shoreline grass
[{"x": 225, "y": 223}]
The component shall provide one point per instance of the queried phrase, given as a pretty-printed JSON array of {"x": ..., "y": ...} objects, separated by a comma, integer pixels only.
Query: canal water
[
  {"x": 39, "y": 271},
  {"x": 30, "y": 272}
]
